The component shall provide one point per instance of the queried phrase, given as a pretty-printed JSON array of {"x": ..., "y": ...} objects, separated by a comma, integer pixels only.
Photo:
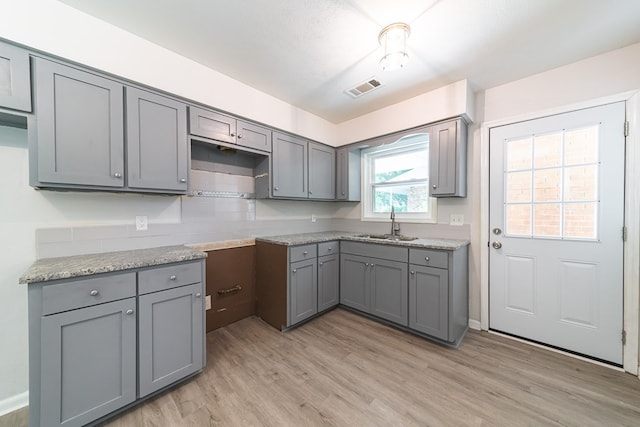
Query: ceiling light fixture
[{"x": 393, "y": 38}]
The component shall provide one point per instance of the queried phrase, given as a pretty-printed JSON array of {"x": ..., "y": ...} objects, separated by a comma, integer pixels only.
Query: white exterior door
[{"x": 556, "y": 218}]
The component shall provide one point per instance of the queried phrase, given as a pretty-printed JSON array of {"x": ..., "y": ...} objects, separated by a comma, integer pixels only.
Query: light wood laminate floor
[{"x": 345, "y": 370}]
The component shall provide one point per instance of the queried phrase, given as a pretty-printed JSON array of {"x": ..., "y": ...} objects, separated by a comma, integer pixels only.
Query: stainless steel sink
[{"x": 388, "y": 237}]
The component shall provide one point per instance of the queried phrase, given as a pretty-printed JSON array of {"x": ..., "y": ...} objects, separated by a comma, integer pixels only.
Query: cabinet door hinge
[
  {"x": 624, "y": 337},
  {"x": 626, "y": 129},
  {"x": 624, "y": 234}
]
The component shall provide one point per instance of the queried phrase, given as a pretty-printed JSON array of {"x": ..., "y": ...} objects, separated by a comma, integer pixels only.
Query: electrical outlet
[
  {"x": 456, "y": 219},
  {"x": 141, "y": 223},
  {"x": 208, "y": 302},
  {"x": 313, "y": 218}
]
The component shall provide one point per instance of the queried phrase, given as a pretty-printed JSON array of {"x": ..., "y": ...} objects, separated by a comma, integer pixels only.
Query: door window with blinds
[
  {"x": 551, "y": 185},
  {"x": 398, "y": 175}
]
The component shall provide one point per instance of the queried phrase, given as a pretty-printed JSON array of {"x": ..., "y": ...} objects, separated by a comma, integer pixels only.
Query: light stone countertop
[
  {"x": 309, "y": 238},
  {"x": 47, "y": 269},
  {"x": 222, "y": 244}
]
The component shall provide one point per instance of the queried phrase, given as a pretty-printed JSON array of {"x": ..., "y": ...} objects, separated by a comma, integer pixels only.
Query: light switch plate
[
  {"x": 456, "y": 219},
  {"x": 208, "y": 302},
  {"x": 313, "y": 218}
]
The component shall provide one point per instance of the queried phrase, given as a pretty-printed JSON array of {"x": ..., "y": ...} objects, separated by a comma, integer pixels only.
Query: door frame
[{"x": 631, "y": 247}]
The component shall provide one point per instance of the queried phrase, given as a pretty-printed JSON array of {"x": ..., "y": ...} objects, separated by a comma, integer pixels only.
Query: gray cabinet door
[
  {"x": 171, "y": 336},
  {"x": 289, "y": 166},
  {"x": 354, "y": 281},
  {"x": 389, "y": 290},
  {"x": 429, "y": 301},
  {"x": 447, "y": 159},
  {"x": 328, "y": 281},
  {"x": 212, "y": 125},
  {"x": 15, "y": 78},
  {"x": 347, "y": 175},
  {"x": 303, "y": 290},
  {"x": 80, "y": 133},
  {"x": 156, "y": 142},
  {"x": 88, "y": 363},
  {"x": 322, "y": 171},
  {"x": 254, "y": 136}
]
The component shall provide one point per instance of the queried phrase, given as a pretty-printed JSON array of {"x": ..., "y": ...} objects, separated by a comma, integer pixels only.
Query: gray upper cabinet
[
  {"x": 157, "y": 150},
  {"x": 289, "y": 166},
  {"x": 322, "y": 171},
  {"x": 220, "y": 127},
  {"x": 448, "y": 159},
  {"x": 210, "y": 124},
  {"x": 15, "y": 78},
  {"x": 79, "y": 139},
  {"x": 348, "y": 175}
]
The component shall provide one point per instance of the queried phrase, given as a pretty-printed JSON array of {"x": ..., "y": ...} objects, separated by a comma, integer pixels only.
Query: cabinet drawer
[
  {"x": 83, "y": 293},
  {"x": 212, "y": 125},
  {"x": 388, "y": 252},
  {"x": 300, "y": 253},
  {"x": 162, "y": 278},
  {"x": 428, "y": 257},
  {"x": 327, "y": 248}
]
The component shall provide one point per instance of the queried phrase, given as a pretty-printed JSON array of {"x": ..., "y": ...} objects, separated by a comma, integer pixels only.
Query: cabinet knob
[
  {"x": 239, "y": 136},
  {"x": 172, "y": 278},
  {"x": 366, "y": 264},
  {"x": 310, "y": 192},
  {"x": 321, "y": 264},
  {"x": 305, "y": 253},
  {"x": 373, "y": 265},
  {"x": 294, "y": 270},
  {"x": 117, "y": 175},
  {"x": 183, "y": 179},
  {"x": 434, "y": 186},
  {"x": 198, "y": 295},
  {"x": 413, "y": 272},
  {"x": 329, "y": 249},
  {"x": 343, "y": 193},
  {"x": 276, "y": 188},
  {"x": 426, "y": 258},
  {"x": 233, "y": 134},
  {"x": 129, "y": 312},
  {"x": 94, "y": 293}
]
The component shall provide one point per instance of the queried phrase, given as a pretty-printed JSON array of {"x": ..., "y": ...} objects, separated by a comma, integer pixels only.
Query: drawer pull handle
[
  {"x": 329, "y": 249},
  {"x": 305, "y": 253},
  {"x": 236, "y": 288},
  {"x": 94, "y": 293},
  {"x": 426, "y": 258},
  {"x": 172, "y": 278},
  {"x": 129, "y": 312},
  {"x": 198, "y": 295}
]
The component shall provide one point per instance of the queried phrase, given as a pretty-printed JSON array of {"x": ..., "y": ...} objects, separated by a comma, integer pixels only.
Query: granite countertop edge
[
  {"x": 48, "y": 269},
  {"x": 310, "y": 238}
]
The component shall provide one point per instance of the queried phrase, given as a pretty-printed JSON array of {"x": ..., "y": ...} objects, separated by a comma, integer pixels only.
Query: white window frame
[{"x": 406, "y": 143}]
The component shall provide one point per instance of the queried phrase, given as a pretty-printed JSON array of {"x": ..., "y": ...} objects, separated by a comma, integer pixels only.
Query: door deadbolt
[
  {"x": 497, "y": 231},
  {"x": 496, "y": 245}
]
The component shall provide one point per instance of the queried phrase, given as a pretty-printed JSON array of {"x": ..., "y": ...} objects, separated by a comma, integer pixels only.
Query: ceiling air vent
[{"x": 364, "y": 87}]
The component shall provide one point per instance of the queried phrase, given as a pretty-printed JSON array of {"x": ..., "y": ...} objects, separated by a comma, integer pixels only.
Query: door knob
[{"x": 496, "y": 245}]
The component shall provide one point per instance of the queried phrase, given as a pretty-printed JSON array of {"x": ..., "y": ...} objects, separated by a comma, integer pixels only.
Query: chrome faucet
[{"x": 394, "y": 226}]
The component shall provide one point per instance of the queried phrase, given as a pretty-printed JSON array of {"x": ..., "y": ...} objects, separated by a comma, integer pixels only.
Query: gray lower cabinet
[
  {"x": 78, "y": 140},
  {"x": 100, "y": 343},
  {"x": 15, "y": 78},
  {"x": 328, "y": 281},
  {"x": 438, "y": 293},
  {"x": 171, "y": 336},
  {"x": 322, "y": 172},
  {"x": 448, "y": 159},
  {"x": 303, "y": 290},
  {"x": 88, "y": 361},
  {"x": 157, "y": 152},
  {"x": 289, "y": 166},
  {"x": 373, "y": 279}
]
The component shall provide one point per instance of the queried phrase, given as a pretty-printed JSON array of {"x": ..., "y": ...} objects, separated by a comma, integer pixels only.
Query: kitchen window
[{"x": 398, "y": 175}]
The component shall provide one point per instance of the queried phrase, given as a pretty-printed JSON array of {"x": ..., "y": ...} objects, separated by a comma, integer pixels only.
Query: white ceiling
[{"x": 307, "y": 52}]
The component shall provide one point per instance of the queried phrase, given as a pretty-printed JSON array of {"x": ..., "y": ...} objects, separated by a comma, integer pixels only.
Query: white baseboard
[
  {"x": 474, "y": 324},
  {"x": 14, "y": 403}
]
